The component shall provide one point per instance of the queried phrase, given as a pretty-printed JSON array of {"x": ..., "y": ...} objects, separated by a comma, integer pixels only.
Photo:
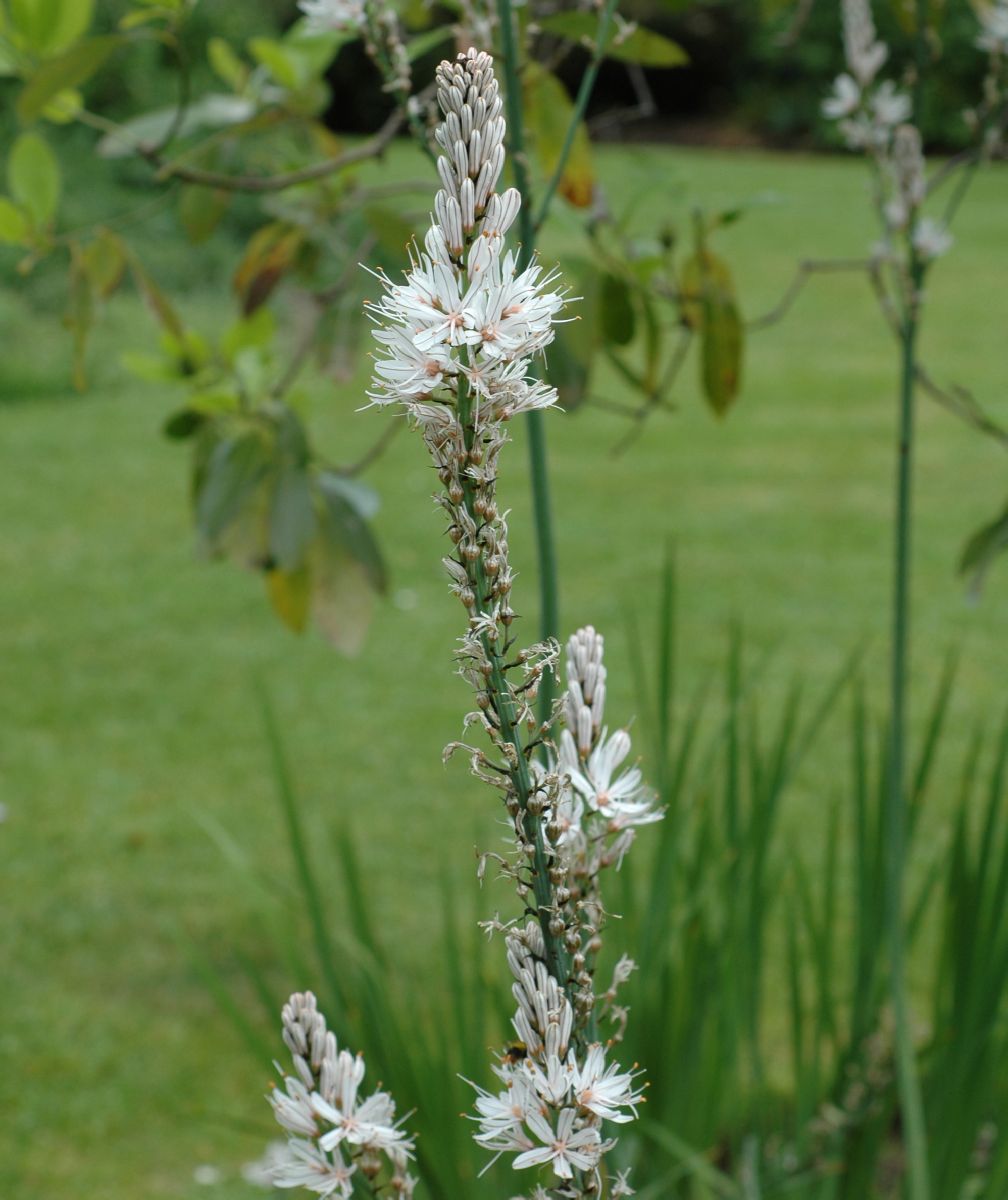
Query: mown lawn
[{"x": 128, "y": 709}]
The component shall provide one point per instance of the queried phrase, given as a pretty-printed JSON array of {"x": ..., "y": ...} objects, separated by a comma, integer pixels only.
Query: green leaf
[
  {"x": 252, "y": 332},
  {"x": 69, "y": 70},
  {"x": 33, "y": 175},
  {"x": 158, "y": 303},
  {"x": 226, "y": 64},
  {"x": 702, "y": 272},
  {"x": 358, "y": 495},
  {"x": 618, "y": 320},
  {"x": 106, "y": 263},
  {"x": 290, "y": 593},
  {"x": 49, "y": 26},
  {"x": 647, "y": 49},
  {"x": 64, "y": 107},
  {"x": 277, "y": 59},
  {"x": 982, "y": 548},
  {"x": 13, "y": 222},
  {"x": 201, "y": 210},
  {"x": 548, "y": 111},
  {"x": 427, "y": 41},
  {"x": 641, "y": 46},
  {"x": 344, "y": 526},
  {"x": 183, "y": 423},
  {"x": 721, "y": 351},
  {"x": 234, "y": 469},
  {"x": 292, "y": 518}
]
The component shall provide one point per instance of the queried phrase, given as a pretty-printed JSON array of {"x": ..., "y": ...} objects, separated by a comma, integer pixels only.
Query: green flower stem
[
  {"x": 911, "y": 1102},
  {"x": 557, "y": 959},
  {"x": 580, "y": 104},
  {"x": 549, "y": 604},
  {"x": 907, "y": 1079}
]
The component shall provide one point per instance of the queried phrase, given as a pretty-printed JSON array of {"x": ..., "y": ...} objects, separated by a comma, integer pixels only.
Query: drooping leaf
[
  {"x": 641, "y": 46},
  {"x": 268, "y": 256},
  {"x": 701, "y": 273},
  {"x": 292, "y": 518},
  {"x": 982, "y": 549},
  {"x": 708, "y": 306},
  {"x": 201, "y": 209},
  {"x": 344, "y": 526},
  {"x": 647, "y": 49},
  {"x": 68, "y": 70},
  {"x": 617, "y": 311},
  {"x": 358, "y": 495},
  {"x": 33, "y": 176},
  {"x": 158, "y": 303},
  {"x": 290, "y": 593},
  {"x": 106, "y": 263},
  {"x": 721, "y": 351},
  {"x": 342, "y": 596},
  {"x": 13, "y": 222},
  {"x": 235, "y": 467},
  {"x": 549, "y": 111}
]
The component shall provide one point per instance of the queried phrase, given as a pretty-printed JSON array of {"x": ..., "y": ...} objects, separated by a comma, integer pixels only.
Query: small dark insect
[{"x": 514, "y": 1053}]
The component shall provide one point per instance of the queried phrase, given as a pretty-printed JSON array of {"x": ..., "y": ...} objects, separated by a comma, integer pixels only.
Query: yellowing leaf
[
  {"x": 290, "y": 593},
  {"x": 341, "y": 599},
  {"x": 548, "y": 111},
  {"x": 721, "y": 352},
  {"x": 269, "y": 255}
]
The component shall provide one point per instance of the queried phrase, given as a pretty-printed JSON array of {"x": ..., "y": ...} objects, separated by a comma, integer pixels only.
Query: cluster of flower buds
[
  {"x": 552, "y": 1102},
  {"x": 332, "y": 1135},
  {"x": 873, "y": 116},
  {"x": 596, "y": 812}
]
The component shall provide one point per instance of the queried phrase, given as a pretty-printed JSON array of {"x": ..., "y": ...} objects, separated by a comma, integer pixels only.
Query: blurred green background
[{"x": 128, "y": 710}]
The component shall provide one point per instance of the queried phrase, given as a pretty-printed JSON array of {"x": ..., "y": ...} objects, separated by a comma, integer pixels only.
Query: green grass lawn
[{"x": 127, "y": 706}]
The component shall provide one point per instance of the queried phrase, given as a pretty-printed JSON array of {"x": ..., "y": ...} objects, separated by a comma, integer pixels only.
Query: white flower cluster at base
[
  {"x": 550, "y": 1109},
  {"x": 332, "y": 1134}
]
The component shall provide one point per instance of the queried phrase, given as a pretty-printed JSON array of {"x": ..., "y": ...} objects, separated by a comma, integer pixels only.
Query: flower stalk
[{"x": 459, "y": 338}]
